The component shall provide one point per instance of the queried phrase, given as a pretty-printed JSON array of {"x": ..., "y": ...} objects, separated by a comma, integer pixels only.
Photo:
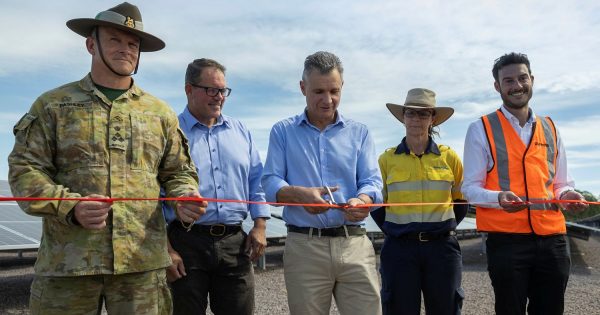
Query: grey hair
[
  {"x": 324, "y": 62},
  {"x": 194, "y": 69}
]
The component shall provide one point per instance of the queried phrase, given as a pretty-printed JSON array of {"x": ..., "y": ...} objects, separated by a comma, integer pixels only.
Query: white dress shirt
[{"x": 478, "y": 161}]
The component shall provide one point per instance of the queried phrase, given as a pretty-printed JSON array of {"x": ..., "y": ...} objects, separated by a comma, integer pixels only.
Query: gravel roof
[{"x": 582, "y": 295}]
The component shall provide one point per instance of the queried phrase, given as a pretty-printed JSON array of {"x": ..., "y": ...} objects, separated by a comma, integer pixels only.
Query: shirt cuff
[
  {"x": 559, "y": 192},
  {"x": 271, "y": 192},
  {"x": 375, "y": 196},
  {"x": 260, "y": 212},
  {"x": 65, "y": 207},
  {"x": 490, "y": 200}
]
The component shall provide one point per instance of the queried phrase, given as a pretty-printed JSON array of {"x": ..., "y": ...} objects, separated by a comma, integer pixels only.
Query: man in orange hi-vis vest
[{"x": 514, "y": 165}]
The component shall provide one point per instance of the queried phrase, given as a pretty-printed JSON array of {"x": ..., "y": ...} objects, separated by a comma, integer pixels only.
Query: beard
[{"x": 516, "y": 104}]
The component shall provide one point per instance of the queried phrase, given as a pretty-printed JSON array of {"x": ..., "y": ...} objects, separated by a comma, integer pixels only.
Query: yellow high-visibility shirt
[{"x": 434, "y": 177}]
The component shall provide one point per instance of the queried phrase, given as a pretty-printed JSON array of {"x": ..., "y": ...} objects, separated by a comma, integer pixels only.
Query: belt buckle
[
  {"x": 421, "y": 239},
  {"x": 220, "y": 230}
]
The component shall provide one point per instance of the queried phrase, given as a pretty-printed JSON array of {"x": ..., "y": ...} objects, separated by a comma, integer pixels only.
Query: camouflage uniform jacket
[{"x": 75, "y": 142}]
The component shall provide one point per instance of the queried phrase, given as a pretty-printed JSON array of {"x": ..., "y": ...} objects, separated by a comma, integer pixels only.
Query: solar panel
[
  {"x": 4, "y": 188},
  {"x": 17, "y": 229},
  {"x": 467, "y": 224},
  {"x": 275, "y": 227}
]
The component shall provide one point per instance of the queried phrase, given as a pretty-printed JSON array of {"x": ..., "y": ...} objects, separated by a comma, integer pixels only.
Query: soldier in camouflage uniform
[{"x": 103, "y": 137}]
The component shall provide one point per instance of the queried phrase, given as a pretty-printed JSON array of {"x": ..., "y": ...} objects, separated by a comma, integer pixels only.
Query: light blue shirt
[
  {"x": 343, "y": 155},
  {"x": 228, "y": 167}
]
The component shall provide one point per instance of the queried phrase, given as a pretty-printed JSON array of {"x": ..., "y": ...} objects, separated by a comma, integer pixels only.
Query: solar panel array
[
  {"x": 276, "y": 228},
  {"x": 17, "y": 229}
]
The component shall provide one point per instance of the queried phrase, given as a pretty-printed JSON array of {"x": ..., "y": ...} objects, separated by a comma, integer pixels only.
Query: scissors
[{"x": 331, "y": 200}]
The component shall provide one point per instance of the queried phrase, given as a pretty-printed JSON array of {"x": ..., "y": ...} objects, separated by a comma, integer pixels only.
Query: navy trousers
[{"x": 409, "y": 267}]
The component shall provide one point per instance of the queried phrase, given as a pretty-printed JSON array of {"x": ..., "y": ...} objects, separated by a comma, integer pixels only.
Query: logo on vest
[{"x": 542, "y": 144}]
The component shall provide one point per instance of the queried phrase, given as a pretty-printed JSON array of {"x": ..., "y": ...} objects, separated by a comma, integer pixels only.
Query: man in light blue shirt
[
  {"x": 214, "y": 256},
  {"x": 327, "y": 251}
]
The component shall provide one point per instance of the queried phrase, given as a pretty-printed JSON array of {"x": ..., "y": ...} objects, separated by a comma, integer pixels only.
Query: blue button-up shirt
[
  {"x": 343, "y": 155},
  {"x": 228, "y": 166}
]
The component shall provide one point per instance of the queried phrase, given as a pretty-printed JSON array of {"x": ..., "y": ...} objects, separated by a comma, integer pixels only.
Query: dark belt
[
  {"x": 332, "y": 232},
  {"x": 426, "y": 236},
  {"x": 213, "y": 230}
]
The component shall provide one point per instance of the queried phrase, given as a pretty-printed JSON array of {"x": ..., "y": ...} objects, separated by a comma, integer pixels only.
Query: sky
[{"x": 387, "y": 48}]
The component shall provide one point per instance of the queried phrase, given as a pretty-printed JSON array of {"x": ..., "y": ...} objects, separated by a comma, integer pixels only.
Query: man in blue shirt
[
  {"x": 327, "y": 251},
  {"x": 214, "y": 256}
]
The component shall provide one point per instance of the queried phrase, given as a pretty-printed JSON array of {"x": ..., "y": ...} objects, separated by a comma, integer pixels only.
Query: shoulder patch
[{"x": 24, "y": 123}]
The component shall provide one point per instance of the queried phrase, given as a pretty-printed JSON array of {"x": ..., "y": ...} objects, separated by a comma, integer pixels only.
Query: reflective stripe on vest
[
  {"x": 426, "y": 213},
  {"x": 412, "y": 191},
  {"x": 434, "y": 215},
  {"x": 551, "y": 151},
  {"x": 420, "y": 185},
  {"x": 501, "y": 159},
  {"x": 528, "y": 171}
]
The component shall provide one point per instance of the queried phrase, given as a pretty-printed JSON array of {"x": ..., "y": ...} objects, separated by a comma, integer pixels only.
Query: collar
[
  {"x": 303, "y": 118},
  {"x": 189, "y": 121},
  {"x": 432, "y": 147},
  {"x": 512, "y": 117},
  {"x": 87, "y": 84}
]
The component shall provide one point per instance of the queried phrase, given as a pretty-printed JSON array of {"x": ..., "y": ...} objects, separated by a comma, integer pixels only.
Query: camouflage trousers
[{"x": 134, "y": 293}]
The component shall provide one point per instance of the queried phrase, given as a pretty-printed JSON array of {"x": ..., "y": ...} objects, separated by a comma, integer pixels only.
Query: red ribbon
[{"x": 283, "y": 203}]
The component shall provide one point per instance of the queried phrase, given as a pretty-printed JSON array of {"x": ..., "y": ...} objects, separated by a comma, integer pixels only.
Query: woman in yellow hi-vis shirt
[{"x": 420, "y": 253}]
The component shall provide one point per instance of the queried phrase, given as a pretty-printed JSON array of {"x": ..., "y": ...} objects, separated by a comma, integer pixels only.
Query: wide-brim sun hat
[
  {"x": 420, "y": 98},
  {"x": 125, "y": 17}
]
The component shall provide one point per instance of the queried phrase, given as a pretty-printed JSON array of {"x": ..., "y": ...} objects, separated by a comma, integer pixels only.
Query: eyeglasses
[
  {"x": 212, "y": 92},
  {"x": 422, "y": 114}
]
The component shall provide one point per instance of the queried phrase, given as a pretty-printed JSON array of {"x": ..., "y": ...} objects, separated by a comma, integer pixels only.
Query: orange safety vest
[{"x": 527, "y": 171}]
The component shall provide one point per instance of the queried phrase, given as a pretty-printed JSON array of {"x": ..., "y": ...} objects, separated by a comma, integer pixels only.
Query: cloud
[
  {"x": 386, "y": 45},
  {"x": 576, "y": 134},
  {"x": 34, "y": 37},
  {"x": 387, "y": 48},
  {"x": 582, "y": 166}
]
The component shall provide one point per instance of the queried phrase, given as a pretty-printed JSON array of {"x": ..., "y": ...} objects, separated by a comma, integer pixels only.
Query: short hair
[
  {"x": 194, "y": 69},
  {"x": 510, "y": 59},
  {"x": 324, "y": 62}
]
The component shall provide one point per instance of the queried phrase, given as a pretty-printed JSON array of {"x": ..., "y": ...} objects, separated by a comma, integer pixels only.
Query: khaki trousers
[
  {"x": 134, "y": 293},
  {"x": 317, "y": 267}
]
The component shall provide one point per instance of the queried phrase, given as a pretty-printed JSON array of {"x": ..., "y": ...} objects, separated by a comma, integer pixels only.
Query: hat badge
[{"x": 129, "y": 22}]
